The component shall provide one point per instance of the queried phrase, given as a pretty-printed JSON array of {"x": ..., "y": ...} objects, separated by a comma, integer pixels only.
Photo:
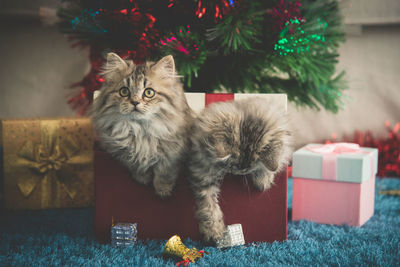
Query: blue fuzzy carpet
[{"x": 65, "y": 238}]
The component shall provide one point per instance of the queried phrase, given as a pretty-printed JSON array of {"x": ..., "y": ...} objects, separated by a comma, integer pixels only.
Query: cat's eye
[
  {"x": 124, "y": 91},
  {"x": 149, "y": 92}
]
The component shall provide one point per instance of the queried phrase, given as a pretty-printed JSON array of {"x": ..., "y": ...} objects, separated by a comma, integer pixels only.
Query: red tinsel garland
[{"x": 389, "y": 148}]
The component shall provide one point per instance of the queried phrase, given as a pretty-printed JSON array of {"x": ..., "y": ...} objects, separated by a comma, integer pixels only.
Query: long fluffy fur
[
  {"x": 247, "y": 137},
  {"x": 150, "y": 138}
]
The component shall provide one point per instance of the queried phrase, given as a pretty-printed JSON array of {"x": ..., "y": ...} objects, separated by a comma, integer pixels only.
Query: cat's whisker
[{"x": 245, "y": 177}]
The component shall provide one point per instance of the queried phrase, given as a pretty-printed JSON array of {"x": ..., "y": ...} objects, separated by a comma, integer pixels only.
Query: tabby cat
[
  {"x": 141, "y": 117},
  {"x": 247, "y": 137}
]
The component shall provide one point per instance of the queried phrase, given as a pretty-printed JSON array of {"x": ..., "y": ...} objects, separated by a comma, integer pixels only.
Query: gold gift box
[{"x": 47, "y": 163}]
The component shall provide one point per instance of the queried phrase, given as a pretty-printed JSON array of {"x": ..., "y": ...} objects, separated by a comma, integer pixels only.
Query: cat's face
[
  {"x": 244, "y": 161},
  {"x": 248, "y": 146},
  {"x": 139, "y": 92},
  {"x": 250, "y": 159},
  {"x": 139, "y": 95}
]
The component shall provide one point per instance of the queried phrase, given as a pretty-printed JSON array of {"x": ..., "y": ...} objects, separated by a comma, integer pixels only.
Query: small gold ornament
[{"x": 175, "y": 248}]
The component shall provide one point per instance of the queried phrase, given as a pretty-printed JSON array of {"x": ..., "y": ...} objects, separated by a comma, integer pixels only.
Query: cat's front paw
[
  {"x": 212, "y": 232},
  {"x": 163, "y": 189}
]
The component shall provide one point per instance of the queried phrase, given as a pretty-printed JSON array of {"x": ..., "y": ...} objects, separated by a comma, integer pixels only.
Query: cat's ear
[
  {"x": 270, "y": 155},
  {"x": 165, "y": 68},
  {"x": 115, "y": 67},
  {"x": 114, "y": 61}
]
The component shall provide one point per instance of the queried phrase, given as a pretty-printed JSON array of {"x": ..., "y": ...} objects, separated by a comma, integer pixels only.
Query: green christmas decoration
[{"x": 265, "y": 46}]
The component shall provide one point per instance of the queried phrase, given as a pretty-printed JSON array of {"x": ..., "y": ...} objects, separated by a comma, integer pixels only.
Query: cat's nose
[{"x": 135, "y": 103}]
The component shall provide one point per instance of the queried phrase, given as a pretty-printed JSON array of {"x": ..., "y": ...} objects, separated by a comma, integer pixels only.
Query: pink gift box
[{"x": 334, "y": 184}]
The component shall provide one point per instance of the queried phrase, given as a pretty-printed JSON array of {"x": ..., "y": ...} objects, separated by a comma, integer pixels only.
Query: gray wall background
[{"x": 38, "y": 65}]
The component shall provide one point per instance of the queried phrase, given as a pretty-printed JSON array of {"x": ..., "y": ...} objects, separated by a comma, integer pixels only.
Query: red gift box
[{"x": 119, "y": 198}]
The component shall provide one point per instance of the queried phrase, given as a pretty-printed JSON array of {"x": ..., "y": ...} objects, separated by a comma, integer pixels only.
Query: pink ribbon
[{"x": 329, "y": 157}]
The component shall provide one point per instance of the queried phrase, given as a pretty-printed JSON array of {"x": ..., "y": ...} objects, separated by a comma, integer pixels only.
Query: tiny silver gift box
[
  {"x": 233, "y": 236},
  {"x": 123, "y": 234}
]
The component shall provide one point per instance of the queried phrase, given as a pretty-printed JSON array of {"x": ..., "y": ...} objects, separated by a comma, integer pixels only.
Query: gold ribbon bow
[{"x": 52, "y": 163}]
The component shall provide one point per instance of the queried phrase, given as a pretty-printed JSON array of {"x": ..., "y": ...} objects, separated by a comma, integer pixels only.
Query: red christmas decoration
[
  {"x": 283, "y": 12},
  {"x": 90, "y": 83},
  {"x": 389, "y": 148},
  {"x": 213, "y": 8}
]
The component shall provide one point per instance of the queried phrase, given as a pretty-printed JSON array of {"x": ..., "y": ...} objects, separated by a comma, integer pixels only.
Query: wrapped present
[
  {"x": 334, "y": 183},
  {"x": 47, "y": 163},
  {"x": 233, "y": 236},
  {"x": 263, "y": 215},
  {"x": 123, "y": 234}
]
